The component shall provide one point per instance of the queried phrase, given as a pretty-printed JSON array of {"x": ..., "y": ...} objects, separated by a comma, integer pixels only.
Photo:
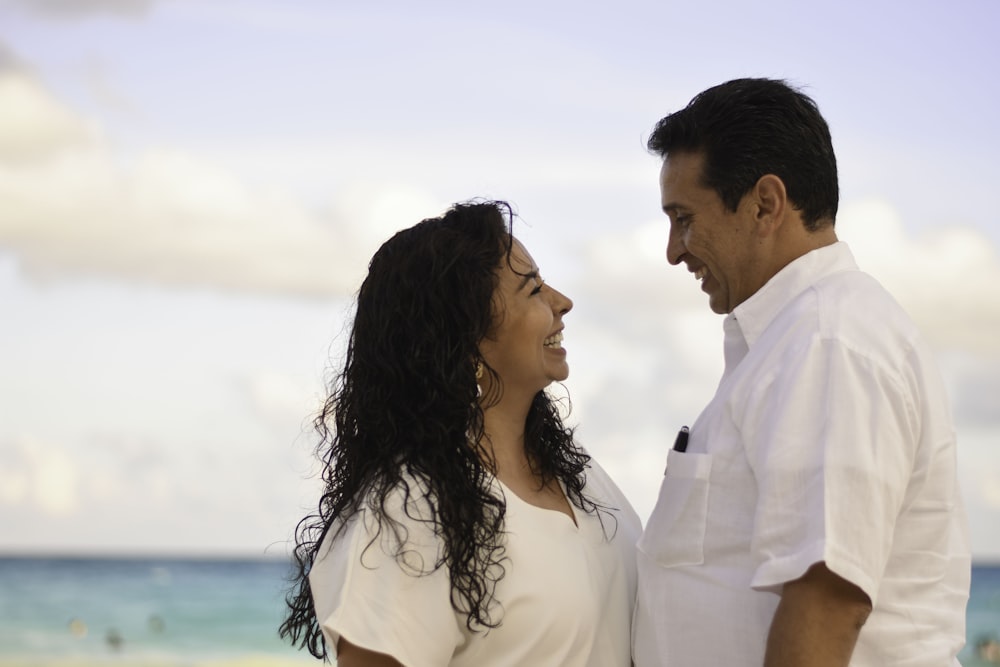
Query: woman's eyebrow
[{"x": 527, "y": 277}]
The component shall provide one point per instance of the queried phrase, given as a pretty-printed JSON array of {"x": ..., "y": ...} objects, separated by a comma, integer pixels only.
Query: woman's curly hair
[{"x": 405, "y": 407}]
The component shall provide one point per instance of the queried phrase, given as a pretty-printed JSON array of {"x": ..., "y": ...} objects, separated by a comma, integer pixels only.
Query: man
[{"x": 812, "y": 515}]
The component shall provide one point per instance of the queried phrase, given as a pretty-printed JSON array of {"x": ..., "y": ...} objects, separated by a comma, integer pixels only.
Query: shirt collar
[{"x": 755, "y": 314}]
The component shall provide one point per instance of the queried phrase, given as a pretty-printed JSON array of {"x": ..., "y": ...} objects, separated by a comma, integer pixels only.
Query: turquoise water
[
  {"x": 983, "y": 615},
  {"x": 168, "y": 609},
  {"x": 105, "y": 611}
]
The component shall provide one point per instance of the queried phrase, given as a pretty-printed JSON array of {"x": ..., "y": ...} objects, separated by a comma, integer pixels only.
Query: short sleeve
[
  {"x": 832, "y": 447},
  {"x": 398, "y": 606}
]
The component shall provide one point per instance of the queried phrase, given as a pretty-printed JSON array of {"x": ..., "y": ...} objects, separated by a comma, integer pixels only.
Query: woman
[{"x": 460, "y": 524}]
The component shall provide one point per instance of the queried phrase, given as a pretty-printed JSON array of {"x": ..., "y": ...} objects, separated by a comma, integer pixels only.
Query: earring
[{"x": 479, "y": 376}]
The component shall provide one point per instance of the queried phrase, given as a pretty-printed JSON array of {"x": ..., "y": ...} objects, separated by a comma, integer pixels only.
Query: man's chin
[{"x": 717, "y": 306}]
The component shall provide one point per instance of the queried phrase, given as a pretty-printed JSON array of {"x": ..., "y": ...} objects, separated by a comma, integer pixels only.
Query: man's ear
[{"x": 770, "y": 203}]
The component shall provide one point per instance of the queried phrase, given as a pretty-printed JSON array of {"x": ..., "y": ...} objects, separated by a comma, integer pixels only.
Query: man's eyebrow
[{"x": 526, "y": 277}]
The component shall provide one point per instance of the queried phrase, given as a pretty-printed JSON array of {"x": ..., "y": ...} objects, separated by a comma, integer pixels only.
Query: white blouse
[{"x": 566, "y": 596}]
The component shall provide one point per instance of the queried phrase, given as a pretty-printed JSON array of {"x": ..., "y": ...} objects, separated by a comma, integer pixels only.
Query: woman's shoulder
[
  {"x": 602, "y": 489},
  {"x": 405, "y": 500},
  {"x": 395, "y": 522}
]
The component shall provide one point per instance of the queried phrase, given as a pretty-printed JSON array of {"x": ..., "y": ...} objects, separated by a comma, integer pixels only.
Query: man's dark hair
[{"x": 746, "y": 128}]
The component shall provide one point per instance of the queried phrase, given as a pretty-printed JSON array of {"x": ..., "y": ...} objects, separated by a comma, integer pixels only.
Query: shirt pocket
[{"x": 675, "y": 533}]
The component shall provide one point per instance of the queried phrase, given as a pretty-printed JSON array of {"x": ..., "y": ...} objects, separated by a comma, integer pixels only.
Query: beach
[
  {"x": 177, "y": 612},
  {"x": 248, "y": 660}
]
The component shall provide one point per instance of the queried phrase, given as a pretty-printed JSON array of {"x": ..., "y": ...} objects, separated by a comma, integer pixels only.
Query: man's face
[{"x": 718, "y": 246}]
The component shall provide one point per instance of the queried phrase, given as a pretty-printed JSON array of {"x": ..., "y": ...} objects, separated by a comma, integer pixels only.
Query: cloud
[
  {"x": 979, "y": 478},
  {"x": 39, "y": 475},
  {"x": 975, "y": 388},
  {"x": 76, "y": 9},
  {"x": 283, "y": 402},
  {"x": 14, "y": 476},
  {"x": 127, "y": 491},
  {"x": 70, "y": 207},
  {"x": 170, "y": 219},
  {"x": 59, "y": 481},
  {"x": 8, "y": 60},
  {"x": 33, "y": 126},
  {"x": 947, "y": 278}
]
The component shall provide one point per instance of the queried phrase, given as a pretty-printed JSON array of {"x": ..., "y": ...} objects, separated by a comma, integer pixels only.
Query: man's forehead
[
  {"x": 681, "y": 165},
  {"x": 681, "y": 181}
]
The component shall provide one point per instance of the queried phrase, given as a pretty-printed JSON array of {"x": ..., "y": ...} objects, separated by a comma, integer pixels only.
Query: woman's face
[{"x": 525, "y": 347}]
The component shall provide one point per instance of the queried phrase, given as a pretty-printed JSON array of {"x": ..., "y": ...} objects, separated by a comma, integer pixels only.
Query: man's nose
[{"x": 675, "y": 246}]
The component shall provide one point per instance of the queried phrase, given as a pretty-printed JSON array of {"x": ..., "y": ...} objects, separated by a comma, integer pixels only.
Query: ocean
[
  {"x": 982, "y": 627},
  {"x": 91, "y": 612},
  {"x": 143, "y": 611}
]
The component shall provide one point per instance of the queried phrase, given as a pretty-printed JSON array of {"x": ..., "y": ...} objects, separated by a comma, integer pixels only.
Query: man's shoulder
[
  {"x": 853, "y": 309},
  {"x": 859, "y": 299}
]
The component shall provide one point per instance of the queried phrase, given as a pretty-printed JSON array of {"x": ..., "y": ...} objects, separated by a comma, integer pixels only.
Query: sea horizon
[
  {"x": 221, "y": 609},
  {"x": 134, "y": 608}
]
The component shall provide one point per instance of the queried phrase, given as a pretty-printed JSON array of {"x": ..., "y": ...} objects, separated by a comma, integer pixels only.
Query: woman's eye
[{"x": 538, "y": 287}]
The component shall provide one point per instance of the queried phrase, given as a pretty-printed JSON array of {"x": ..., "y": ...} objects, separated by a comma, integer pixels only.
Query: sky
[{"x": 190, "y": 191}]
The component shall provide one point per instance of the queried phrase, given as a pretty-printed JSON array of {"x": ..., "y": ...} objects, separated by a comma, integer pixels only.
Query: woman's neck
[
  {"x": 503, "y": 425},
  {"x": 504, "y": 440}
]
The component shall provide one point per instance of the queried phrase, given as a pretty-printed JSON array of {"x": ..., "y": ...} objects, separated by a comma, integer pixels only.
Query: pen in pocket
[{"x": 681, "y": 443}]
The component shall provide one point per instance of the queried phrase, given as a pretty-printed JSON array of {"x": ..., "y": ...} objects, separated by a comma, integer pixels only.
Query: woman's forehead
[{"x": 520, "y": 259}]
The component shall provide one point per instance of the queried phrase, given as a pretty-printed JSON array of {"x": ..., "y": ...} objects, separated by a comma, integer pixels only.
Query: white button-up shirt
[{"x": 829, "y": 439}]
